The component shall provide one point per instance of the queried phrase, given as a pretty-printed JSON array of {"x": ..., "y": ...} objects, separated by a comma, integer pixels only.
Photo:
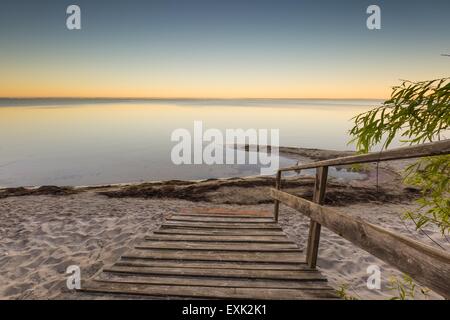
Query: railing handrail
[
  {"x": 428, "y": 265},
  {"x": 423, "y": 150},
  {"x": 433, "y": 266}
]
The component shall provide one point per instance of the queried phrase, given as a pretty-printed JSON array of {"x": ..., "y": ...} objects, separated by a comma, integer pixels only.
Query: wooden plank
[
  {"x": 423, "y": 150},
  {"x": 223, "y": 239},
  {"x": 261, "y": 247},
  {"x": 312, "y": 249},
  {"x": 214, "y": 282},
  {"x": 276, "y": 208},
  {"x": 281, "y": 257},
  {"x": 238, "y": 216},
  {"x": 205, "y": 292},
  {"x": 210, "y": 264},
  {"x": 219, "y": 232},
  {"x": 220, "y": 273},
  {"x": 227, "y": 212},
  {"x": 181, "y": 224},
  {"x": 219, "y": 219},
  {"x": 425, "y": 264}
]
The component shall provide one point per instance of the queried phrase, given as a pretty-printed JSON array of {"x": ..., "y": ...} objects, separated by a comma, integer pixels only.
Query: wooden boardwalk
[{"x": 214, "y": 254}]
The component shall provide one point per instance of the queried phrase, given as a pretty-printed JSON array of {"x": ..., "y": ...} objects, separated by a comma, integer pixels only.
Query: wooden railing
[{"x": 427, "y": 265}]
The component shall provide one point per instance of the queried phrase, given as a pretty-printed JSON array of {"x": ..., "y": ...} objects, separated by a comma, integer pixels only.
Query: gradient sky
[{"x": 226, "y": 48}]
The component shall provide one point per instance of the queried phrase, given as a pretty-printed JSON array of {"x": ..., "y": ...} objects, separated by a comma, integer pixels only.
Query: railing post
[
  {"x": 312, "y": 249},
  {"x": 277, "y": 203}
]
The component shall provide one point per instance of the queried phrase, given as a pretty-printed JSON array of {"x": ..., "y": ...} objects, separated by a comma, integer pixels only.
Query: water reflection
[{"x": 74, "y": 143}]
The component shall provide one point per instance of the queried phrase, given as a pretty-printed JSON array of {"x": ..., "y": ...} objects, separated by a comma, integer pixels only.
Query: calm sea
[{"x": 90, "y": 142}]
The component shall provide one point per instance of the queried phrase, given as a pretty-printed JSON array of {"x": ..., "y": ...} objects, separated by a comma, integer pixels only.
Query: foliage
[
  {"x": 432, "y": 175},
  {"x": 342, "y": 292},
  {"x": 359, "y": 167},
  {"x": 418, "y": 112},
  {"x": 405, "y": 288}
]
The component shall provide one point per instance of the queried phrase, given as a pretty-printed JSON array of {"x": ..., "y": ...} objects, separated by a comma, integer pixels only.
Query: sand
[
  {"x": 44, "y": 230},
  {"x": 43, "y": 234}
]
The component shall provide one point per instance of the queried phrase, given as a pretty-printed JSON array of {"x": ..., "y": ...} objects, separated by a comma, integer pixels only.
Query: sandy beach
[
  {"x": 44, "y": 230},
  {"x": 43, "y": 235}
]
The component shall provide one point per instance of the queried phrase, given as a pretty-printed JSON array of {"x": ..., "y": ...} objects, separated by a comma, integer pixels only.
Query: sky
[{"x": 220, "y": 49}]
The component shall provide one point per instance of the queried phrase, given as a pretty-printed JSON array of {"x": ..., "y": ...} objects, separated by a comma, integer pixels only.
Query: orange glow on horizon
[
  {"x": 59, "y": 83},
  {"x": 43, "y": 90}
]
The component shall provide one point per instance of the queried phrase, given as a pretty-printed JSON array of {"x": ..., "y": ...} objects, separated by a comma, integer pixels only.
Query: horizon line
[{"x": 190, "y": 98}]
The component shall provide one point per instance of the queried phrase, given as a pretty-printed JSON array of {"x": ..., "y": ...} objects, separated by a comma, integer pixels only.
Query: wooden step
[
  {"x": 221, "y": 273},
  {"x": 219, "y": 219},
  {"x": 227, "y": 212},
  {"x": 214, "y": 282},
  {"x": 205, "y": 292},
  {"x": 243, "y": 239},
  {"x": 279, "y": 257},
  {"x": 137, "y": 262},
  {"x": 218, "y": 232},
  {"x": 223, "y": 225},
  {"x": 186, "y": 245},
  {"x": 223, "y": 215}
]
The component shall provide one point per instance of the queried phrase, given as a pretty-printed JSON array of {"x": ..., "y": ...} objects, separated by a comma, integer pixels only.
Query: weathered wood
[
  {"x": 223, "y": 215},
  {"x": 211, "y": 264},
  {"x": 227, "y": 212},
  {"x": 312, "y": 249},
  {"x": 219, "y": 232},
  {"x": 243, "y": 239},
  {"x": 220, "y": 273},
  {"x": 276, "y": 208},
  {"x": 214, "y": 282},
  {"x": 280, "y": 257},
  {"x": 186, "y": 245},
  {"x": 320, "y": 185},
  {"x": 183, "y": 224},
  {"x": 425, "y": 264},
  {"x": 205, "y": 292},
  {"x": 423, "y": 150},
  {"x": 210, "y": 257},
  {"x": 218, "y": 219}
]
